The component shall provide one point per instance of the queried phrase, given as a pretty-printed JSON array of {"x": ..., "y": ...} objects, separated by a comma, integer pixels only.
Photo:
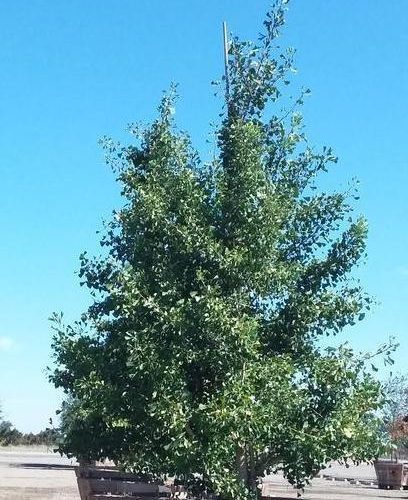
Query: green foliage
[
  {"x": 396, "y": 393},
  {"x": 395, "y": 414},
  {"x": 200, "y": 353},
  {"x": 10, "y": 436}
]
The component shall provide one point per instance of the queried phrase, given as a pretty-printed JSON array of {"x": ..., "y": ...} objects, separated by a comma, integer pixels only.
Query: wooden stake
[{"x": 226, "y": 49}]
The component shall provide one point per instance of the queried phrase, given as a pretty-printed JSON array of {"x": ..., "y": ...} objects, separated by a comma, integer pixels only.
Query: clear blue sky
[{"x": 73, "y": 71}]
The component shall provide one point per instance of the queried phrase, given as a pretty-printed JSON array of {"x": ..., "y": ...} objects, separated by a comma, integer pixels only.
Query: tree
[
  {"x": 200, "y": 353},
  {"x": 8, "y": 433},
  {"x": 395, "y": 414},
  {"x": 396, "y": 392}
]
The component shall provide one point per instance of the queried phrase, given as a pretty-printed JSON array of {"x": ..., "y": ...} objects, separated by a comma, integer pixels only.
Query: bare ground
[
  {"x": 27, "y": 474},
  {"x": 38, "y": 474}
]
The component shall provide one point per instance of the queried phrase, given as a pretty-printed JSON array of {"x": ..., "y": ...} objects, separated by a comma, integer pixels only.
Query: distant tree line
[{"x": 10, "y": 436}]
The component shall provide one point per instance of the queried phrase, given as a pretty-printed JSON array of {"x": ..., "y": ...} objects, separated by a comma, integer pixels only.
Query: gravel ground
[
  {"x": 27, "y": 474},
  {"x": 332, "y": 490},
  {"x": 35, "y": 474}
]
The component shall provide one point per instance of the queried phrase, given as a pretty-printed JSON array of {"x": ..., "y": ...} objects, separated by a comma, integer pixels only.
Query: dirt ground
[
  {"x": 35, "y": 474},
  {"x": 27, "y": 474},
  {"x": 325, "y": 490}
]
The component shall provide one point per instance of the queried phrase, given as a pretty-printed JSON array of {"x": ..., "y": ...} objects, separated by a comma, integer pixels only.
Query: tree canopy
[{"x": 200, "y": 355}]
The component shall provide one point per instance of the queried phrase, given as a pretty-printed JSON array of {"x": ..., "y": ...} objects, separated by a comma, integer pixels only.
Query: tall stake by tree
[{"x": 200, "y": 353}]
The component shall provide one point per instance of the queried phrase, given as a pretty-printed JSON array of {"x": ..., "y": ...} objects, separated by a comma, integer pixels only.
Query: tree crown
[{"x": 200, "y": 352}]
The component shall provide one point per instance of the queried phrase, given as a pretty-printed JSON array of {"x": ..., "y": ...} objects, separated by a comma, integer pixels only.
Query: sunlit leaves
[{"x": 200, "y": 353}]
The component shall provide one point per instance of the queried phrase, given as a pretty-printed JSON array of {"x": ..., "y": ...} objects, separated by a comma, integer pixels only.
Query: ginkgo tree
[{"x": 200, "y": 356}]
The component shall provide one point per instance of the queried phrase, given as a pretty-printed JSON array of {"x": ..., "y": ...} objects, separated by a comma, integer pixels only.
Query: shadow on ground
[{"x": 42, "y": 466}]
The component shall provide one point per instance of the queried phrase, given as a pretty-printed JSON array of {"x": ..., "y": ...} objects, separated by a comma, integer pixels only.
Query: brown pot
[
  {"x": 391, "y": 474},
  {"x": 94, "y": 483}
]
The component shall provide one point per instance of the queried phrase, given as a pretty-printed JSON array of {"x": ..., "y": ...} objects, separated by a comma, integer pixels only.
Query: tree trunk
[
  {"x": 253, "y": 479},
  {"x": 242, "y": 468},
  {"x": 246, "y": 469}
]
